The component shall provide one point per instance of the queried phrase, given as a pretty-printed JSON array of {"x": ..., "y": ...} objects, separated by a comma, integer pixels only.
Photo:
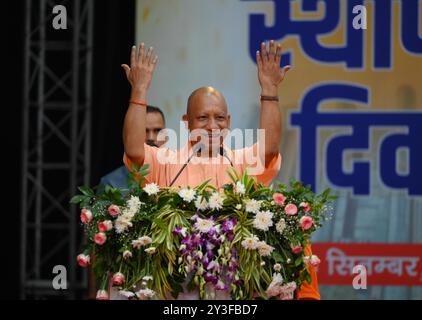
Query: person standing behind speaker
[{"x": 155, "y": 122}]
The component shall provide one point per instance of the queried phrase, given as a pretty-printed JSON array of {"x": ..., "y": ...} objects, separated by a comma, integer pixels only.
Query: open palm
[{"x": 270, "y": 75}]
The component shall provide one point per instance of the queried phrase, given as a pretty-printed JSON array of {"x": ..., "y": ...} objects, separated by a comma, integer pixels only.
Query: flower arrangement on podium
[{"x": 245, "y": 237}]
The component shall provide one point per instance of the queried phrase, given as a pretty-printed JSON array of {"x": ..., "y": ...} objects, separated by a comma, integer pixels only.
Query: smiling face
[{"x": 207, "y": 116}]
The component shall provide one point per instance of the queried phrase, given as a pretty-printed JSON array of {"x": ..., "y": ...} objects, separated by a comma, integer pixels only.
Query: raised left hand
[{"x": 270, "y": 75}]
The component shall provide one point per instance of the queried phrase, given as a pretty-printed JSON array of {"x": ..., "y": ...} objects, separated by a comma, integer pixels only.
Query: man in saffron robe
[{"x": 208, "y": 119}]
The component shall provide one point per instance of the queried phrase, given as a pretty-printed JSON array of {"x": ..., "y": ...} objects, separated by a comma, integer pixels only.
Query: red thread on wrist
[{"x": 144, "y": 104}]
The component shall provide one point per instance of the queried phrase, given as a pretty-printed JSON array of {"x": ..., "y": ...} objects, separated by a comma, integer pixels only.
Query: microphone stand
[
  {"x": 196, "y": 150},
  {"x": 223, "y": 153}
]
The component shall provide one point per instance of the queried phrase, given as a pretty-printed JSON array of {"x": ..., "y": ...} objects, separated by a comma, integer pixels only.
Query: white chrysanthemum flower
[
  {"x": 240, "y": 188},
  {"x": 263, "y": 220},
  {"x": 250, "y": 243},
  {"x": 134, "y": 203},
  {"x": 280, "y": 226},
  {"x": 137, "y": 244},
  {"x": 150, "y": 250},
  {"x": 252, "y": 205},
  {"x": 216, "y": 201},
  {"x": 277, "y": 279},
  {"x": 126, "y": 293},
  {"x": 201, "y": 203},
  {"x": 145, "y": 240},
  {"x": 277, "y": 267},
  {"x": 122, "y": 223},
  {"x": 127, "y": 254},
  {"x": 151, "y": 189},
  {"x": 187, "y": 194},
  {"x": 145, "y": 294},
  {"x": 264, "y": 249},
  {"x": 141, "y": 242},
  {"x": 129, "y": 212},
  {"x": 203, "y": 225},
  {"x": 238, "y": 206},
  {"x": 147, "y": 278}
]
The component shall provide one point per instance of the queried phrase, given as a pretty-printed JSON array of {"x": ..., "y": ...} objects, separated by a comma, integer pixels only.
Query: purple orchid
[
  {"x": 230, "y": 236},
  {"x": 221, "y": 285},
  {"x": 198, "y": 255},
  {"x": 180, "y": 231},
  {"x": 201, "y": 252},
  {"x": 210, "y": 254},
  {"x": 209, "y": 277},
  {"x": 205, "y": 260},
  {"x": 212, "y": 232},
  {"x": 230, "y": 275},
  {"x": 209, "y": 246},
  {"x": 212, "y": 265},
  {"x": 228, "y": 224}
]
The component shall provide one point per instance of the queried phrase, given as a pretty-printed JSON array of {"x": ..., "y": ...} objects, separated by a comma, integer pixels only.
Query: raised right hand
[{"x": 141, "y": 69}]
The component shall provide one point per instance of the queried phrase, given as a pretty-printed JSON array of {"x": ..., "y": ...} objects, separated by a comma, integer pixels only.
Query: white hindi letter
[
  {"x": 60, "y": 281},
  {"x": 359, "y": 21},
  {"x": 60, "y": 21},
  {"x": 359, "y": 281}
]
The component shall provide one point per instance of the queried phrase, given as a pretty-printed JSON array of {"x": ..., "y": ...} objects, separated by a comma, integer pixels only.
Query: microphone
[
  {"x": 223, "y": 153},
  {"x": 195, "y": 150}
]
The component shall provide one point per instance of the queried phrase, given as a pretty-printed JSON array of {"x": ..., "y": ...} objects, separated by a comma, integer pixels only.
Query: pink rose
[
  {"x": 86, "y": 216},
  {"x": 306, "y": 207},
  {"x": 315, "y": 261},
  {"x": 296, "y": 249},
  {"x": 100, "y": 238},
  {"x": 118, "y": 279},
  {"x": 105, "y": 225},
  {"x": 113, "y": 210},
  {"x": 279, "y": 198},
  {"x": 83, "y": 260},
  {"x": 306, "y": 222},
  {"x": 102, "y": 295},
  {"x": 290, "y": 209}
]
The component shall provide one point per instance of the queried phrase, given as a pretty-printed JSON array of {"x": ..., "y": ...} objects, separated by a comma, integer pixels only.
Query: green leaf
[
  {"x": 77, "y": 199},
  {"x": 232, "y": 176},
  {"x": 159, "y": 223},
  {"x": 308, "y": 277},
  {"x": 202, "y": 186},
  {"x": 298, "y": 261},
  {"x": 160, "y": 237},
  {"x": 135, "y": 167},
  {"x": 86, "y": 191}
]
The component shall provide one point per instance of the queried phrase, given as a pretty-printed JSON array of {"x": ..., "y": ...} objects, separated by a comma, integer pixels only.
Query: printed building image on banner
[{"x": 352, "y": 113}]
